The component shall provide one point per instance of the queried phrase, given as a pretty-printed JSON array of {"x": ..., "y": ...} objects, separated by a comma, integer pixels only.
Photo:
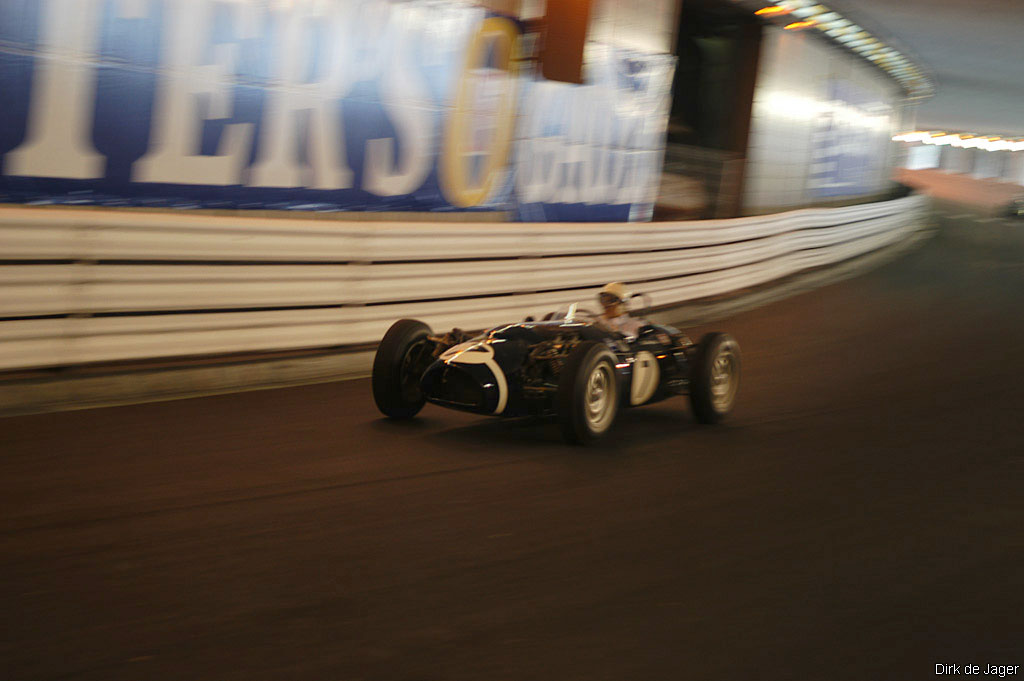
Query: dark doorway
[{"x": 717, "y": 48}]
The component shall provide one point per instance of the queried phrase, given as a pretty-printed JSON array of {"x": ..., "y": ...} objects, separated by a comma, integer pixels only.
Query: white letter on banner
[
  {"x": 543, "y": 158},
  {"x": 595, "y": 180},
  {"x": 576, "y": 159},
  {"x": 618, "y": 165},
  {"x": 571, "y": 169},
  {"x": 589, "y": 159},
  {"x": 60, "y": 116},
  {"x": 539, "y": 158},
  {"x": 173, "y": 155},
  {"x": 406, "y": 99},
  {"x": 627, "y": 183},
  {"x": 278, "y": 162}
]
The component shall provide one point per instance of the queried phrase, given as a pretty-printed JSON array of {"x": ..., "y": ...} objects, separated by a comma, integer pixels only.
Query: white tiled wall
[
  {"x": 791, "y": 95},
  {"x": 923, "y": 156},
  {"x": 1004, "y": 166},
  {"x": 644, "y": 25},
  {"x": 956, "y": 160},
  {"x": 988, "y": 164},
  {"x": 1013, "y": 171}
]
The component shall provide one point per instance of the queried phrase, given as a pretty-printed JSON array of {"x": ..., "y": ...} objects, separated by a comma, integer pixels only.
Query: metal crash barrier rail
[{"x": 88, "y": 286}]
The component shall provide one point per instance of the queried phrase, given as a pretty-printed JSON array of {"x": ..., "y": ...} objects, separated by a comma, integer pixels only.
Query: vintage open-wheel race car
[{"x": 569, "y": 365}]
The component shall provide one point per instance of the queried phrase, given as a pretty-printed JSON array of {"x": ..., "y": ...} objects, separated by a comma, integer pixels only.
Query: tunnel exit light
[{"x": 960, "y": 140}]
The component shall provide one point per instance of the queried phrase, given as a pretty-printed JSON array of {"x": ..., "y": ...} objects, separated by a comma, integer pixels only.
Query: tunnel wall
[
  {"x": 86, "y": 286},
  {"x": 821, "y": 125},
  {"x": 352, "y": 105}
]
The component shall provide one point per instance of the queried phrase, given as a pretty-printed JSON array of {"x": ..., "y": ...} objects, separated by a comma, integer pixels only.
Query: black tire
[
  {"x": 588, "y": 393},
  {"x": 715, "y": 380},
  {"x": 397, "y": 368}
]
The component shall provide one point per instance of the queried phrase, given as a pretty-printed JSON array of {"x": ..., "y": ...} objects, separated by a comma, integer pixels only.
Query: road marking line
[
  {"x": 988, "y": 219},
  {"x": 961, "y": 216}
]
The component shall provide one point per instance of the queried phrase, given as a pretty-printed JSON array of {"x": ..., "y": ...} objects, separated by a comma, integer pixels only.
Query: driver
[{"x": 612, "y": 298}]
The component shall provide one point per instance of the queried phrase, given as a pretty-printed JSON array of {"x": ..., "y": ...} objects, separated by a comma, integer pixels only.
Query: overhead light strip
[
  {"x": 960, "y": 140},
  {"x": 811, "y": 14}
]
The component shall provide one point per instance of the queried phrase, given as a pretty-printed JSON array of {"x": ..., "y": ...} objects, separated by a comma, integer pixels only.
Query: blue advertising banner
[
  {"x": 594, "y": 152},
  {"x": 354, "y": 105},
  {"x": 848, "y": 143}
]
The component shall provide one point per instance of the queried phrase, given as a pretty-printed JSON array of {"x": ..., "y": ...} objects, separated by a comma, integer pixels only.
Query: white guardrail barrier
[{"x": 84, "y": 286}]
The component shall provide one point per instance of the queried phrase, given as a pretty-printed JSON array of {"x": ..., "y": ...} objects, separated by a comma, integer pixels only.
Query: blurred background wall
[
  {"x": 354, "y": 105},
  {"x": 536, "y": 110},
  {"x": 821, "y": 126},
  {"x": 767, "y": 119},
  {"x": 335, "y": 141}
]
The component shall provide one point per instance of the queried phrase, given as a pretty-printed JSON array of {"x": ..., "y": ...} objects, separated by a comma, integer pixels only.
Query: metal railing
[{"x": 86, "y": 286}]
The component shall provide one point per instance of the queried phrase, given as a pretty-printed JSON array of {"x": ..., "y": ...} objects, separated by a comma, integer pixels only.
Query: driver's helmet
[{"x": 613, "y": 293}]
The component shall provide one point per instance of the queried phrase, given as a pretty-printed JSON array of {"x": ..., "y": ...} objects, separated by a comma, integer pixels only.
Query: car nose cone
[{"x": 469, "y": 387}]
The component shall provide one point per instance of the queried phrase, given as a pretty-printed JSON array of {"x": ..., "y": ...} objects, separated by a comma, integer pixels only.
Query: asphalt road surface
[{"x": 860, "y": 517}]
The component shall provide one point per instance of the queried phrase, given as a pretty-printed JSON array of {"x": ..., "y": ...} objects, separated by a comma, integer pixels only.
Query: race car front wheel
[
  {"x": 402, "y": 357},
  {"x": 588, "y": 394},
  {"x": 715, "y": 377}
]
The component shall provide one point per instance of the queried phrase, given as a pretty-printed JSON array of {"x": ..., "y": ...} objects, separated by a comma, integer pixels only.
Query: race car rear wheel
[
  {"x": 402, "y": 357},
  {"x": 716, "y": 377},
  {"x": 588, "y": 393}
]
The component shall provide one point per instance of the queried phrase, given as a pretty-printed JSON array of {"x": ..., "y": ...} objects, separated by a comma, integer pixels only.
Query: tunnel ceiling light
[
  {"x": 772, "y": 10},
  {"x": 841, "y": 27},
  {"x": 805, "y": 12},
  {"x": 846, "y": 34}
]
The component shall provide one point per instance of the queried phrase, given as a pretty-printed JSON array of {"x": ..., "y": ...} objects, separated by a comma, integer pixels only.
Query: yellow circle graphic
[{"x": 500, "y": 36}]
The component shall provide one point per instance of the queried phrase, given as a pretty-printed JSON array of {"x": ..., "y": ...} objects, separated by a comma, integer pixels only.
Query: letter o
[{"x": 454, "y": 176}]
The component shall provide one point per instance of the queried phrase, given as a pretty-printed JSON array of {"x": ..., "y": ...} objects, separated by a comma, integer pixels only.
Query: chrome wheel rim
[
  {"x": 725, "y": 378},
  {"x": 599, "y": 402}
]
